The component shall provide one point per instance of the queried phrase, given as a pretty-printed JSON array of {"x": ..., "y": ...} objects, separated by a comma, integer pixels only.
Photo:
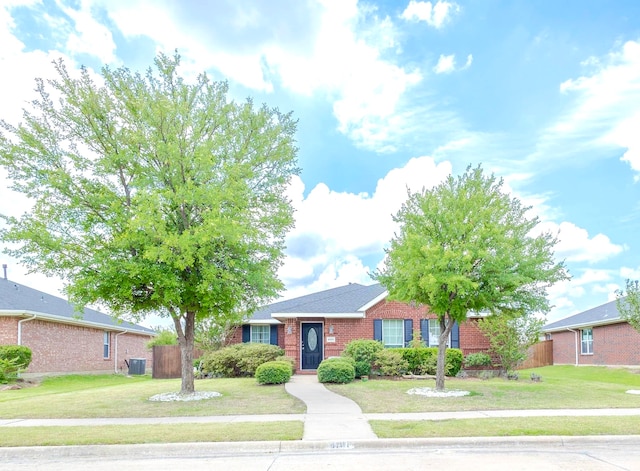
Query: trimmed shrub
[
  {"x": 289, "y": 360},
  {"x": 239, "y": 360},
  {"x": 13, "y": 359},
  {"x": 363, "y": 351},
  {"x": 419, "y": 359},
  {"x": 18, "y": 353},
  {"x": 274, "y": 372},
  {"x": 480, "y": 359},
  {"x": 390, "y": 362},
  {"x": 337, "y": 370},
  {"x": 453, "y": 361}
]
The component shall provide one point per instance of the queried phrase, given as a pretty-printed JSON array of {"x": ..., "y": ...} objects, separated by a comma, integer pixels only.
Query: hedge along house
[
  {"x": 317, "y": 326},
  {"x": 63, "y": 340},
  {"x": 597, "y": 336}
]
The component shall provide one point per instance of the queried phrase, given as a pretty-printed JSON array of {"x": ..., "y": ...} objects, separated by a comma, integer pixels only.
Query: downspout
[
  {"x": 20, "y": 327},
  {"x": 576, "y": 342},
  {"x": 115, "y": 352}
]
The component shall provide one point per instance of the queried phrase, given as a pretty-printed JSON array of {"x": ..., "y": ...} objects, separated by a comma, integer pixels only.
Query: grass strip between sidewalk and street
[
  {"x": 504, "y": 427},
  {"x": 132, "y": 434}
]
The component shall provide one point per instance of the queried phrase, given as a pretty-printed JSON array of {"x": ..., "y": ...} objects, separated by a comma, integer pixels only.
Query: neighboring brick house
[
  {"x": 597, "y": 336},
  {"x": 63, "y": 340},
  {"x": 319, "y": 325}
]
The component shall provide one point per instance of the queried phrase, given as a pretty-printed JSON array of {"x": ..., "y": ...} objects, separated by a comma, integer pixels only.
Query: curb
[{"x": 203, "y": 449}]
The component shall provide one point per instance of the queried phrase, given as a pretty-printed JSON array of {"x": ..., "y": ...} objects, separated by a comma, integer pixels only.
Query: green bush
[
  {"x": 289, "y": 360},
  {"x": 363, "y": 368},
  {"x": 424, "y": 360},
  {"x": 390, "y": 362},
  {"x": 239, "y": 360},
  {"x": 362, "y": 350},
  {"x": 274, "y": 372},
  {"x": 474, "y": 360},
  {"x": 13, "y": 359},
  {"x": 19, "y": 354},
  {"x": 337, "y": 370}
]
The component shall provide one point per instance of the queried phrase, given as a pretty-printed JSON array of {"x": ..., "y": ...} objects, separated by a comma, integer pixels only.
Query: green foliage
[
  {"x": 8, "y": 370},
  {"x": 419, "y": 359},
  {"x": 164, "y": 337},
  {"x": 479, "y": 359},
  {"x": 289, "y": 360},
  {"x": 152, "y": 194},
  {"x": 363, "y": 352},
  {"x": 389, "y": 362},
  {"x": 274, "y": 372},
  {"x": 210, "y": 335},
  {"x": 510, "y": 338},
  {"x": 453, "y": 363},
  {"x": 466, "y": 245},
  {"x": 336, "y": 370},
  {"x": 18, "y": 354},
  {"x": 628, "y": 303},
  {"x": 239, "y": 360}
]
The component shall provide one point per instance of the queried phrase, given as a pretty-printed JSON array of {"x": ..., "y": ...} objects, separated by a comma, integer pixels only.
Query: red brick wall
[
  {"x": 8, "y": 330},
  {"x": 66, "y": 348},
  {"x": 615, "y": 344},
  {"x": 346, "y": 330}
]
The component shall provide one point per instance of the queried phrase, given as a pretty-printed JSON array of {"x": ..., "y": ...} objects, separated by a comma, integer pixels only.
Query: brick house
[
  {"x": 63, "y": 340},
  {"x": 319, "y": 325},
  {"x": 597, "y": 336}
]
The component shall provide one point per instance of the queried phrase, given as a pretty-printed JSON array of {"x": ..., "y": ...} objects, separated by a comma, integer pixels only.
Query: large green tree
[
  {"x": 466, "y": 246},
  {"x": 628, "y": 303},
  {"x": 152, "y": 194}
]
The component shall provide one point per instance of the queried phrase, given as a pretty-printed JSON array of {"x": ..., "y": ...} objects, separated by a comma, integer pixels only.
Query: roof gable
[
  {"x": 348, "y": 299},
  {"x": 15, "y": 297},
  {"x": 605, "y": 314}
]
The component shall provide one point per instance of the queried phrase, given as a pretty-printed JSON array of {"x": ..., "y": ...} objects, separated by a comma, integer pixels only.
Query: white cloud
[
  {"x": 89, "y": 36},
  {"x": 630, "y": 273},
  {"x": 334, "y": 230},
  {"x": 607, "y": 111},
  {"x": 446, "y": 64},
  {"x": 435, "y": 15},
  {"x": 575, "y": 245}
]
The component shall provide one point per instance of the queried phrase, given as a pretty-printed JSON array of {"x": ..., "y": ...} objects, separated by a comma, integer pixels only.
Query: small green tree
[
  {"x": 164, "y": 337},
  {"x": 152, "y": 195},
  {"x": 511, "y": 337},
  {"x": 467, "y": 246},
  {"x": 628, "y": 303}
]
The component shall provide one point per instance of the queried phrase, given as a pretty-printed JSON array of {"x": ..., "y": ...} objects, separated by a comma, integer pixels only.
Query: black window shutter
[
  {"x": 377, "y": 329},
  {"x": 246, "y": 333},
  {"x": 424, "y": 331},
  {"x": 273, "y": 335},
  {"x": 408, "y": 331},
  {"x": 455, "y": 336}
]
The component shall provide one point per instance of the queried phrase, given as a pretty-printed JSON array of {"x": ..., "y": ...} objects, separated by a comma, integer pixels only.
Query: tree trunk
[
  {"x": 446, "y": 324},
  {"x": 185, "y": 339}
]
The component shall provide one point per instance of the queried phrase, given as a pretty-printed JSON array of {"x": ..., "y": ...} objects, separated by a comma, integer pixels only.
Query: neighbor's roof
[
  {"x": 17, "y": 299},
  {"x": 349, "y": 301},
  {"x": 601, "y": 315}
]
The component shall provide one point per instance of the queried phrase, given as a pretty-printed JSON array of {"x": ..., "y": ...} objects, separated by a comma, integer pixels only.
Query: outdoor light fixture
[
  {"x": 331, "y": 329},
  {"x": 289, "y": 329}
]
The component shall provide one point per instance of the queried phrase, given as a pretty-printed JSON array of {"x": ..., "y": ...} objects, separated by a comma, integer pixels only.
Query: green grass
[
  {"x": 176, "y": 433},
  {"x": 503, "y": 427},
  {"x": 122, "y": 396},
  {"x": 561, "y": 387}
]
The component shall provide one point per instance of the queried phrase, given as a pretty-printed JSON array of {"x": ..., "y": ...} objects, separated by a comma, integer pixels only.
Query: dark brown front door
[{"x": 311, "y": 343}]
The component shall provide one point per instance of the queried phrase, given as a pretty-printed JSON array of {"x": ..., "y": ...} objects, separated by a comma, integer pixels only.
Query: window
[
  {"x": 434, "y": 332},
  {"x": 393, "y": 332},
  {"x": 106, "y": 344},
  {"x": 260, "y": 333},
  {"x": 586, "y": 336}
]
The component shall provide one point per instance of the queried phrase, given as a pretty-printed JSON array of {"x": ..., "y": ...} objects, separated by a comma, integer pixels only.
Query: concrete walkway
[{"x": 329, "y": 416}]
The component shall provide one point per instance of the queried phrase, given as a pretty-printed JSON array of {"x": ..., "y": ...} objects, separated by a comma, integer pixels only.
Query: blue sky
[{"x": 390, "y": 95}]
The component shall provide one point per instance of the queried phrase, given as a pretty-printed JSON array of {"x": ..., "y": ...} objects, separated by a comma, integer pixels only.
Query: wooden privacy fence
[
  {"x": 167, "y": 362},
  {"x": 540, "y": 354}
]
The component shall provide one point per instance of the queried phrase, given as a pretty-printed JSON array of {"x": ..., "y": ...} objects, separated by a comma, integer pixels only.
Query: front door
[{"x": 311, "y": 344}]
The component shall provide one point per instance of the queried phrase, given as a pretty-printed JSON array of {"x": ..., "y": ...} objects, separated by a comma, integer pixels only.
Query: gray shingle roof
[
  {"x": 342, "y": 300},
  {"x": 605, "y": 314},
  {"x": 17, "y": 297}
]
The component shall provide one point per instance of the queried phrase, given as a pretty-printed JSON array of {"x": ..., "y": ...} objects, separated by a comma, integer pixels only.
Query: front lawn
[
  {"x": 86, "y": 396},
  {"x": 561, "y": 387}
]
